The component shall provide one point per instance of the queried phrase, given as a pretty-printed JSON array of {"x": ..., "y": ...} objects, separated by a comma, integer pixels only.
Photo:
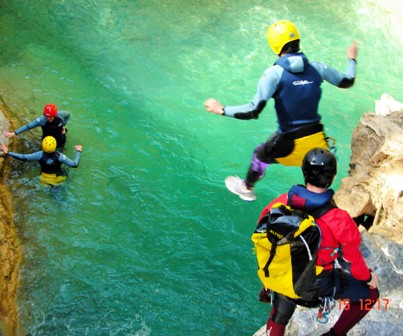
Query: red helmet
[{"x": 50, "y": 110}]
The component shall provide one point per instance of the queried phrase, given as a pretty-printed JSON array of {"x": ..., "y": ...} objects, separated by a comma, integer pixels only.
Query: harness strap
[{"x": 303, "y": 131}]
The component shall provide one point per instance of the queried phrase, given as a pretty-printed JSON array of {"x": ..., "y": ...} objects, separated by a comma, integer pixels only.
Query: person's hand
[
  {"x": 352, "y": 51},
  {"x": 265, "y": 296},
  {"x": 4, "y": 148},
  {"x": 8, "y": 134},
  {"x": 78, "y": 148},
  {"x": 214, "y": 106},
  {"x": 373, "y": 283}
]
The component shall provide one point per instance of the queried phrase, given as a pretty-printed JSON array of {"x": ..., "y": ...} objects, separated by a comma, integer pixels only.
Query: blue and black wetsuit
[
  {"x": 54, "y": 128},
  {"x": 51, "y": 163},
  {"x": 295, "y": 85}
]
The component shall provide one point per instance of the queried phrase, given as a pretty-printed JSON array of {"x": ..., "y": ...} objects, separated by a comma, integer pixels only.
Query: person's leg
[
  {"x": 256, "y": 169},
  {"x": 361, "y": 299},
  {"x": 265, "y": 154},
  {"x": 280, "y": 315},
  {"x": 244, "y": 188}
]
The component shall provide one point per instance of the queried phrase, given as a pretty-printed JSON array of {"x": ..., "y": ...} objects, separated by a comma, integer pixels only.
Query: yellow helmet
[
  {"x": 280, "y": 33},
  {"x": 49, "y": 144}
]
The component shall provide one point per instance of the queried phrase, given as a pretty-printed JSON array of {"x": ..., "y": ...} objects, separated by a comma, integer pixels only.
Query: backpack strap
[{"x": 272, "y": 254}]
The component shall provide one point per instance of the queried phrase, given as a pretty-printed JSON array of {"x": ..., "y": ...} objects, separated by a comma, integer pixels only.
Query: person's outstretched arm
[
  {"x": 72, "y": 163},
  {"x": 36, "y": 156},
  {"x": 342, "y": 80},
  {"x": 35, "y": 123},
  {"x": 23, "y": 157},
  {"x": 266, "y": 87}
]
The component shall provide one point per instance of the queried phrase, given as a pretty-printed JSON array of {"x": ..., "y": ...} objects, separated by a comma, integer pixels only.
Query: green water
[{"x": 144, "y": 239}]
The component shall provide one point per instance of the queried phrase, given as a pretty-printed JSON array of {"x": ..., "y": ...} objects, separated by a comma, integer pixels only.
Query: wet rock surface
[{"x": 10, "y": 254}]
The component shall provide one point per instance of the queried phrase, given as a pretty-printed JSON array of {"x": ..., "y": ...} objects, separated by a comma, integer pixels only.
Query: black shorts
[{"x": 281, "y": 145}]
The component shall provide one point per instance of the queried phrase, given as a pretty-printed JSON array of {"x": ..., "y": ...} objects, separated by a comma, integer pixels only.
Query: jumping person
[
  {"x": 354, "y": 282},
  {"x": 53, "y": 124},
  {"x": 50, "y": 160},
  {"x": 295, "y": 85}
]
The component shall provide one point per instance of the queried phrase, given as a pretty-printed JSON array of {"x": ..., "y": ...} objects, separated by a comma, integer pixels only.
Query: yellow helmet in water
[
  {"x": 49, "y": 144},
  {"x": 280, "y": 33}
]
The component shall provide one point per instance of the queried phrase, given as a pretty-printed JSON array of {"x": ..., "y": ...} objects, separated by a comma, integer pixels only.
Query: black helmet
[{"x": 319, "y": 167}]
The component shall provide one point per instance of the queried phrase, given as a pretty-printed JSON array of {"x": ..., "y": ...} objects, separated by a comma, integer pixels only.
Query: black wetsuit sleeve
[
  {"x": 252, "y": 114},
  {"x": 346, "y": 83}
]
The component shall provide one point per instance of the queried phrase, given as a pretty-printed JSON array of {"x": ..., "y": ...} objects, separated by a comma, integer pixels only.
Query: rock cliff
[
  {"x": 374, "y": 188},
  {"x": 9, "y": 248}
]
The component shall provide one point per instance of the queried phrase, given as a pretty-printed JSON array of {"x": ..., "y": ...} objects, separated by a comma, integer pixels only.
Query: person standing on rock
[
  {"x": 295, "y": 85},
  {"x": 354, "y": 283},
  {"x": 52, "y": 122}
]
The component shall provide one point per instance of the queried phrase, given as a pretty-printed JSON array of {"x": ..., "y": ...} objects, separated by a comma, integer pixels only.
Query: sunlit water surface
[{"x": 143, "y": 238}]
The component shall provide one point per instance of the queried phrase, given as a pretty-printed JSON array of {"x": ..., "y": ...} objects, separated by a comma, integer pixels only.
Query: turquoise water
[{"x": 144, "y": 239}]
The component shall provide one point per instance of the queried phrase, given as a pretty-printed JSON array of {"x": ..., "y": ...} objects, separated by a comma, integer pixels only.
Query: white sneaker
[{"x": 235, "y": 185}]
